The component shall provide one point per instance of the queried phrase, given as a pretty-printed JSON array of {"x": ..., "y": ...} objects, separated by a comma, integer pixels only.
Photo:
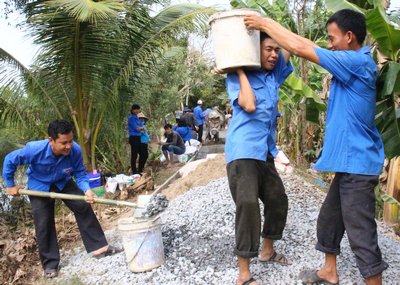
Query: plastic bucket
[
  {"x": 142, "y": 242},
  {"x": 235, "y": 45},
  {"x": 94, "y": 180}
]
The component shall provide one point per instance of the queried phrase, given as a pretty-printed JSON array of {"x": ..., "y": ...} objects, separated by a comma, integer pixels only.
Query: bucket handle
[{"x": 141, "y": 244}]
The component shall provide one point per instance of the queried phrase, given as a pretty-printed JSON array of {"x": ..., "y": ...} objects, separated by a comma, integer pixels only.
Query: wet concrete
[{"x": 208, "y": 149}]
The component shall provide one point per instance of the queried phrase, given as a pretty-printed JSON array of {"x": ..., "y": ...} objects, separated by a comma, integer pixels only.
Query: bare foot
[
  {"x": 321, "y": 276},
  {"x": 328, "y": 276}
]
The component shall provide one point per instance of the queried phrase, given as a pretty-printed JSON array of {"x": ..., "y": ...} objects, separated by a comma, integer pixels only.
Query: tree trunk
[{"x": 391, "y": 211}]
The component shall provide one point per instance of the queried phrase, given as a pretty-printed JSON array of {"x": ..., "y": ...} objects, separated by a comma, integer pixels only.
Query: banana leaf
[
  {"x": 387, "y": 36},
  {"x": 387, "y": 117}
]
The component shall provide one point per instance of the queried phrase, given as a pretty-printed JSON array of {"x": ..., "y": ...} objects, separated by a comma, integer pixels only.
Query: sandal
[
  {"x": 311, "y": 277},
  {"x": 50, "y": 273},
  {"x": 111, "y": 250},
  {"x": 277, "y": 258},
  {"x": 248, "y": 282}
]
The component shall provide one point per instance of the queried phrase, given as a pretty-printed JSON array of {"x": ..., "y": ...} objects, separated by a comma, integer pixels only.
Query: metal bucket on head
[
  {"x": 235, "y": 45},
  {"x": 142, "y": 242}
]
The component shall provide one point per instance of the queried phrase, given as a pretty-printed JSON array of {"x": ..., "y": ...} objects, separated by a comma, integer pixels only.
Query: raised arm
[
  {"x": 286, "y": 39},
  {"x": 246, "y": 99}
]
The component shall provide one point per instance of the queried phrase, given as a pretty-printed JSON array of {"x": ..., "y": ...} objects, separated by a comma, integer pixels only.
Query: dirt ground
[
  {"x": 19, "y": 254},
  {"x": 205, "y": 172}
]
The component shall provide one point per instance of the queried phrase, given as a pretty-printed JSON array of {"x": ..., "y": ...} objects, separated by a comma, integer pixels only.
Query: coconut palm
[{"x": 90, "y": 51}]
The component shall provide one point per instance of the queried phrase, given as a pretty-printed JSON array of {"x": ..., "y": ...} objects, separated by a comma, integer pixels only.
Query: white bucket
[
  {"x": 234, "y": 44},
  {"x": 142, "y": 242}
]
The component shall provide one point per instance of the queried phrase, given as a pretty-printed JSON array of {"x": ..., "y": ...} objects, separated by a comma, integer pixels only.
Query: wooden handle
[{"x": 76, "y": 197}]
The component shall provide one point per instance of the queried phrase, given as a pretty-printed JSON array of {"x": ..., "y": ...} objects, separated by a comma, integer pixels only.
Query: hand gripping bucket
[
  {"x": 142, "y": 242},
  {"x": 235, "y": 45}
]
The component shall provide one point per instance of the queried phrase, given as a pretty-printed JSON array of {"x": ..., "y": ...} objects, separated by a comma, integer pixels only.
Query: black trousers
[
  {"x": 200, "y": 133},
  {"x": 350, "y": 206},
  {"x": 250, "y": 180},
  {"x": 134, "y": 141},
  {"x": 143, "y": 155},
  {"x": 43, "y": 216}
]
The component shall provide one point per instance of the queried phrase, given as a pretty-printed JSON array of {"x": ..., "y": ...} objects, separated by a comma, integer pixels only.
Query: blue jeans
[
  {"x": 174, "y": 149},
  {"x": 350, "y": 206}
]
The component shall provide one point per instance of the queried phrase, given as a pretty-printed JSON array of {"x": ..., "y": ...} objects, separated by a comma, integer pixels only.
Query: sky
[{"x": 15, "y": 42}]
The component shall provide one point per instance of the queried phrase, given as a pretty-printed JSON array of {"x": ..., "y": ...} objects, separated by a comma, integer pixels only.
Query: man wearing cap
[{"x": 199, "y": 116}]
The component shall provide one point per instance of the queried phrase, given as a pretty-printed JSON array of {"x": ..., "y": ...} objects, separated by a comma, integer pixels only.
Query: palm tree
[{"x": 91, "y": 50}]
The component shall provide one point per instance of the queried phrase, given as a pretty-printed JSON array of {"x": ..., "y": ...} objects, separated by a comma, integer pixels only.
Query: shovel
[{"x": 77, "y": 197}]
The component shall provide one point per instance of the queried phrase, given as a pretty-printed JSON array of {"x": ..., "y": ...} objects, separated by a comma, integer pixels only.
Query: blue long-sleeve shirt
[
  {"x": 44, "y": 169},
  {"x": 133, "y": 123},
  {"x": 198, "y": 115}
]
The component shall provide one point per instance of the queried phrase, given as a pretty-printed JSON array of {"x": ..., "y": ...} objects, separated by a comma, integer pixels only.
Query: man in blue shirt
[
  {"x": 135, "y": 128},
  {"x": 254, "y": 96},
  {"x": 199, "y": 116},
  {"x": 51, "y": 165},
  {"x": 352, "y": 148}
]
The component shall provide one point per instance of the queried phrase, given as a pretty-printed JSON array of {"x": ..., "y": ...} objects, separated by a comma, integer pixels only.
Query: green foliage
[
  {"x": 389, "y": 199},
  {"x": 379, "y": 203},
  {"x": 93, "y": 54},
  {"x": 314, "y": 103},
  {"x": 336, "y": 5},
  {"x": 388, "y": 112},
  {"x": 384, "y": 33}
]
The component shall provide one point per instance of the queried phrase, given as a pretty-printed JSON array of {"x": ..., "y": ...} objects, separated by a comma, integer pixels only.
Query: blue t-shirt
[
  {"x": 352, "y": 142},
  {"x": 272, "y": 135},
  {"x": 44, "y": 169},
  {"x": 184, "y": 132},
  {"x": 133, "y": 123},
  {"x": 198, "y": 115},
  {"x": 247, "y": 135}
]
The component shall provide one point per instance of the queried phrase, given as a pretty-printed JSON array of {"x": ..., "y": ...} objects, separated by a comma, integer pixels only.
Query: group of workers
[{"x": 352, "y": 148}]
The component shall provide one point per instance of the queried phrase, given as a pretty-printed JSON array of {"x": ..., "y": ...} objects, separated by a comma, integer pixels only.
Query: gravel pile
[
  {"x": 156, "y": 205},
  {"x": 198, "y": 237}
]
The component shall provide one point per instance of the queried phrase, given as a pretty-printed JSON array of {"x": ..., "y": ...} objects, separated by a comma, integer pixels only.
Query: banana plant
[{"x": 295, "y": 89}]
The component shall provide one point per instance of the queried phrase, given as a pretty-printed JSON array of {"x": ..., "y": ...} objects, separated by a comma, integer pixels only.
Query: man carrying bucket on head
[
  {"x": 51, "y": 165},
  {"x": 254, "y": 97},
  {"x": 353, "y": 147}
]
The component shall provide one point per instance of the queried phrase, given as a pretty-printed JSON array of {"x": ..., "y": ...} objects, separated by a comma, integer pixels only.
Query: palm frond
[
  {"x": 165, "y": 26},
  {"x": 89, "y": 11}
]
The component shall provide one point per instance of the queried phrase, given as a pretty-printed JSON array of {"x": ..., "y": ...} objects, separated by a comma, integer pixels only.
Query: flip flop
[
  {"x": 248, "y": 282},
  {"x": 111, "y": 250},
  {"x": 50, "y": 273},
  {"x": 276, "y": 258},
  {"x": 311, "y": 277}
]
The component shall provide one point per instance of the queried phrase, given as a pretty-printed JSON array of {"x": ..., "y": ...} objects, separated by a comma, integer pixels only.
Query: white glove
[{"x": 282, "y": 163}]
